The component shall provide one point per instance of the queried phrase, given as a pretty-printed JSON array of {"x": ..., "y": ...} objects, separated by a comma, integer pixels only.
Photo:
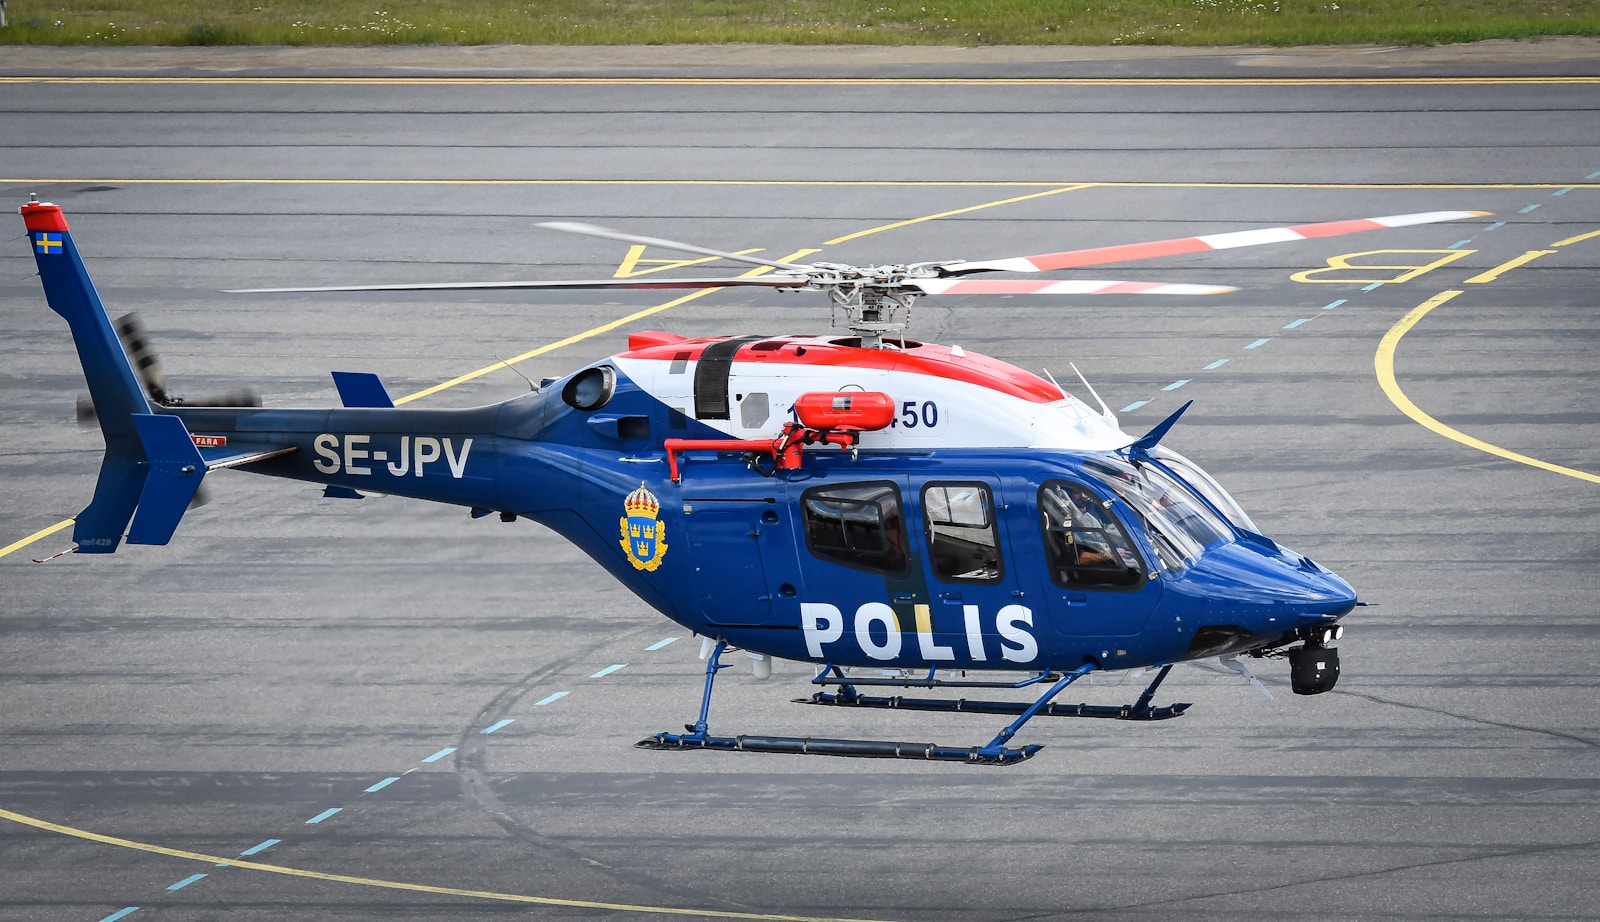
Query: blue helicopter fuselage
[{"x": 954, "y": 558}]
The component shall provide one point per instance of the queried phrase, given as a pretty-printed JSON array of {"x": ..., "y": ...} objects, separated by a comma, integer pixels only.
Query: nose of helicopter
[{"x": 1275, "y": 588}]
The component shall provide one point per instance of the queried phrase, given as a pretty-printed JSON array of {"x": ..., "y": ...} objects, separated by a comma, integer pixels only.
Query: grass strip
[{"x": 800, "y": 22}]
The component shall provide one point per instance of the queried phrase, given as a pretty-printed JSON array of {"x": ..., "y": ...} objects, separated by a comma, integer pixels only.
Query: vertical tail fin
[{"x": 119, "y": 402}]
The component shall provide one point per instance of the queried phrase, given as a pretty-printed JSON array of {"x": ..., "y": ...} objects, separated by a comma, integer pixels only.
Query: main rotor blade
[
  {"x": 1059, "y": 287},
  {"x": 1097, "y": 256},
  {"x": 760, "y": 281},
  {"x": 594, "y": 230}
]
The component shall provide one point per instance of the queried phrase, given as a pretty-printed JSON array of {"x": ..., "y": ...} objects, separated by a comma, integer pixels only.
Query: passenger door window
[
  {"x": 857, "y": 525},
  {"x": 963, "y": 538}
]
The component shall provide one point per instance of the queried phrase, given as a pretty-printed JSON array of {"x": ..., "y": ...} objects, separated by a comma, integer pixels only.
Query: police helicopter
[{"x": 901, "y": 514}]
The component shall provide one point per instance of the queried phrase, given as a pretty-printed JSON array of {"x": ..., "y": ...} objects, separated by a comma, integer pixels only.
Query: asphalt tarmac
[{"x": 354, "y": 710}]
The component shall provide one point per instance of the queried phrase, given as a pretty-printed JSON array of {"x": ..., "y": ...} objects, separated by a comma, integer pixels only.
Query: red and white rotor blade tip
[
  {"x": 1060, "y": 287},
  {"x": 1097, "y": 256}
]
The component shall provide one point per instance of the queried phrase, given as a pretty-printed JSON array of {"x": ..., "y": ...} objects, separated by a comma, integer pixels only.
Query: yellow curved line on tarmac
[
  {"x": 811, "y": 81},
  {"x": 1383, "y": 362},
  {"x": 85, "y": 834}
]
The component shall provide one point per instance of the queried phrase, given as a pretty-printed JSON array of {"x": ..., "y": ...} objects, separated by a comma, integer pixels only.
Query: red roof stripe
[{"x": 931, "y": 360}]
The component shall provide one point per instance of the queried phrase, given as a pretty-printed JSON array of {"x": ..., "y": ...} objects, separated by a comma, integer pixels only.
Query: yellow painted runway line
[
  {"x": 39, "y": 535},
  {"x": 1135, "y": 82},
  {"x": 86, "y": 835},
  {"x": 1074, "y": 187},
  {"x": 1384, "y": 363}
]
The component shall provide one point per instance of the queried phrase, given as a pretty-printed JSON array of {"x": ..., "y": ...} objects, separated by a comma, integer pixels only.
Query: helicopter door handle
[
  {"x": 950, "y": 596},
  {"x": 903, "y": 597}
]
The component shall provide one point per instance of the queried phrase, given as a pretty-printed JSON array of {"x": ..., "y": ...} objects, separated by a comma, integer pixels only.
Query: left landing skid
[
  {"x": 860, "y": 749},
  {"x": 995, "y": 752},
  {"x": 847, "y": 696}
]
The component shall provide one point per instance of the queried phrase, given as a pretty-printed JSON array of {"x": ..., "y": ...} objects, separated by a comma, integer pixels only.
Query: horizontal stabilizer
[{"x": 234, "y": 454}]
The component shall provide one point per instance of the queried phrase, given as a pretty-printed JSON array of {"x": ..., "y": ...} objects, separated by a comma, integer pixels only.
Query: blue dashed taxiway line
[
  {"x": 550, "y": 699},
  {"x": 192, "y": 878},
  {"x": 498, "y": 725},
  {"x": 258, "y": 849},
  {"x": 121, "y": 913},
  {"x": 323, "y": 815}
]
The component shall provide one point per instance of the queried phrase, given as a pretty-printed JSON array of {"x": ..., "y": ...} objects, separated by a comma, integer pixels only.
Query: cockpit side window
[
  {"x": 963, "y": 540},
  {"x": 858, "y": 525},
  {"x": 1085, "y": 545}
]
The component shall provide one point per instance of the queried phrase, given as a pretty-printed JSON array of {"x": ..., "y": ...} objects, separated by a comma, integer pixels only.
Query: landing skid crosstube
[{"x": 995, "y": 752}]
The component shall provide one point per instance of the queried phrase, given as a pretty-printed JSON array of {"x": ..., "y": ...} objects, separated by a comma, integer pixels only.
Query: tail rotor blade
[{"x": 130, "y": 329}]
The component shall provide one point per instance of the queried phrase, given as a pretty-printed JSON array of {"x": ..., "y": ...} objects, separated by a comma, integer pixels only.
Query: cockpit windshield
[
  {"x": 1206, "y": 485},
  {"x": 1180, "y": 525}
]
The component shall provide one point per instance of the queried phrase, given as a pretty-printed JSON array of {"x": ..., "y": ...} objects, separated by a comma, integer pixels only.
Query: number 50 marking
[{"x": 914, "y": 413}]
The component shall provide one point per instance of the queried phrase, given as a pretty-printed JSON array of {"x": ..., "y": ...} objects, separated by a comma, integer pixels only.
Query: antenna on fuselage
[
  {"x": 1104, "y": 410},
  {"x": 531, "y": 385}
]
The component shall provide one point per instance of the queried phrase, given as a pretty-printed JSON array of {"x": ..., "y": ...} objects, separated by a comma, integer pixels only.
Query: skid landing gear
[
  {"x": 995, "y": 752},
  {"x": 847, "y": 696}
]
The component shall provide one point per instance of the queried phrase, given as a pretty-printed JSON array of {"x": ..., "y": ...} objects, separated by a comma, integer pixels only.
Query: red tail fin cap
[{"x": 43, "y": 216}]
